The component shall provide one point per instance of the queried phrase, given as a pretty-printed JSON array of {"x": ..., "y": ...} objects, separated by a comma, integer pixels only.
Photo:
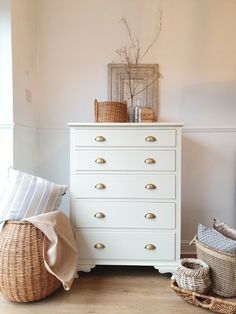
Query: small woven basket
[
  {"x": 23, "y": 276},
  {"x": 193, "y": 274},
  {"x": 208, "y": 302},
  {"x": 110, "y": 111},
  {"x": 223, "y": 269}
]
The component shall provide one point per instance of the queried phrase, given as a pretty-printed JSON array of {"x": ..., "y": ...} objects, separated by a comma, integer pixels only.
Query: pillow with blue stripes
[
  {"x": 26, "y": 195},
  {"x": 215, "y": 240}
]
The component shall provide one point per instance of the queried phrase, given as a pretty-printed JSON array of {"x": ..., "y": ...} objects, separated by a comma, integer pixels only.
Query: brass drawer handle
[
  {"x": 150, "y": 247},
  {"x": 149, "y": 161},
  {"x": 100, "y": 139},
  {"x": 100, "y": 186},
  {"x": 150, "y": 139},
  {"x": 150, "y": 186},
  {"x": 100, "y": 161},
  {"x": 150, "y": 216},
  {"x": 99, "y": 215},
  {"x": 99, "y": 246}
]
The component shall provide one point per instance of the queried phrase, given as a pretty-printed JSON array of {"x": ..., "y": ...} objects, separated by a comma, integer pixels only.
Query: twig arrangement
[{"x": 131, "y": 57}]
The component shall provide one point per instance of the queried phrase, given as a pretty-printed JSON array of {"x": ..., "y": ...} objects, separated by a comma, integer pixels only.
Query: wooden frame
[{"x": 143, "y": 74}]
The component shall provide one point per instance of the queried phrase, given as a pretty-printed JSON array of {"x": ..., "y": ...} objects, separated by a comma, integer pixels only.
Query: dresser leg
[
  {"x": 166, "y": 269},
  {"x": 85, "y": 268}
]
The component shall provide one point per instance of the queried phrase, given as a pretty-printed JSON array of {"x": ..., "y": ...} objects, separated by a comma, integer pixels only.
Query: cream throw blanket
[{"x": 60, "y": 252}]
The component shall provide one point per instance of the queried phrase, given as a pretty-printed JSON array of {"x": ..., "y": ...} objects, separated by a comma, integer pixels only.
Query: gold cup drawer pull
[
  {"x": 100, "y": 161},
  {"x": 99, "y": 215},
  {"x": 100, "y": 138},
  {"x": 149, "y": 161},
  {"x": 150, "y": 186},
  {"x": 100, "y": 186},
  {"x": 150, "y": 247},
  {"x": 150, "y": 216},
  {"x": 150, "y": 139},
  {"x": 99, "y": 246}
]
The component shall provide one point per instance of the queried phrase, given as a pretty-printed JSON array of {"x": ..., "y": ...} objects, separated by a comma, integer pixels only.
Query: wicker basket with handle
[
  {"x": 223, "y": 269},
  {"x": 208, "y": 302},
  {"x": 23, "y": 276},
  {"x": 110, "y": 111}
]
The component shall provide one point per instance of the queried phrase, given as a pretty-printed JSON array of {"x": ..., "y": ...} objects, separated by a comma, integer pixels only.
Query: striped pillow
[{"x": 26, "y": 195}]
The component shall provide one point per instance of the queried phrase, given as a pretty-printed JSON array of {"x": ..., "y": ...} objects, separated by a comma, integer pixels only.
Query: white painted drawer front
[
  {"x": 121, "y": 137},
  {"x": 126, "y": 245},
  {"x": 124, "y": 215},
  {"x": 125, "y": 188},
  {"x": 124, "y": 160},
  {"x": 131, "y": 186}
]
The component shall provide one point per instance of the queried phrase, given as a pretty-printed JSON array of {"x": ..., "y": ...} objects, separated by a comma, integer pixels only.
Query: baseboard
[{"x": 187, "y": 250}]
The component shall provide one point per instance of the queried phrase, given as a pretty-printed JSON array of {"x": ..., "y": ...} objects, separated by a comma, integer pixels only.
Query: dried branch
[
  {"x": 159, "y": 29},
  {"x": 146, "y": 86},
  {"x": 134, "y": 42},
  {"x": 131, "y": 58}
]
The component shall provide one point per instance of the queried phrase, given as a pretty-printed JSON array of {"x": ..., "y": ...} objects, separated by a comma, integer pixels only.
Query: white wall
[
  {"x": 6, "y": 102},
  {"x": 196, "y": 52},
  {"x": 6, "y": 105},
  {"x": 208, "y": 178},
  {"x": 24, "y": 44}
]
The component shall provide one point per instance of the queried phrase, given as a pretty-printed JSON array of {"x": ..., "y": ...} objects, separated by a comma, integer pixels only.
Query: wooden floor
[{"x": 110, "y": 290}]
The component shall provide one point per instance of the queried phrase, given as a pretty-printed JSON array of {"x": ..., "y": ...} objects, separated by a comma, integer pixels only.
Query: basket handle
[
  {"x": 96, "y": 110},
  {"x": 201, "y": 303},
  {"x": 192, "y": 242}
]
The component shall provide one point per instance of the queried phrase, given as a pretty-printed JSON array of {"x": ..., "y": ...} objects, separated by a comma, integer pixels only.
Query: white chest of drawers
[{"x": 125, "y": 183}]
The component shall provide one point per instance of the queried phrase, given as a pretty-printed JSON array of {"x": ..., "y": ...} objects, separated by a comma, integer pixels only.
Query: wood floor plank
[{"x": 110, "y": 290}]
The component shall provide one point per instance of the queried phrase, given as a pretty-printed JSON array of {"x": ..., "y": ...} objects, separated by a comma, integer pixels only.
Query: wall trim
[
  {"x": 7, "y": 126},
  {"x": 185, "y": 129},
  {"x": 209, "y": 129},
  {"x": 21, "y": 125}
]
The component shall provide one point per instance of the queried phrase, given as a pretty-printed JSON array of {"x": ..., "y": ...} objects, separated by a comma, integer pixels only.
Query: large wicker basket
[
  {"x": 223, "y": 269},
  {"x": 110, "y": 111},
  {"x": 23, "y": 276},
  {"x": 208, "y": 302}
]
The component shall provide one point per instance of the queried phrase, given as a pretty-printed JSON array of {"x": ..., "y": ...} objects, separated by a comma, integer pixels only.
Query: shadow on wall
[
  {"x": 208, "y": 180},
  {"x": 53, "y": 160},
  {"x": 194, "y": 187},
  {"x": 212, "y": 103}
]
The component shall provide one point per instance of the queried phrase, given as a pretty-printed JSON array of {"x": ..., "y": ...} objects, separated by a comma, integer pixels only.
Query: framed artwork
[{"x": 143, "y": 77}]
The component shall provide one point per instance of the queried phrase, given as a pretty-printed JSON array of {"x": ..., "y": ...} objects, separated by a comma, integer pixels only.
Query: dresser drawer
[
  {"x": 125, "y": 137},
  {"x": 124, "y": 160},
  {"x": 126, "y": 245},
  {"x": 102, "y": 214},
  {"x": 125, "y": 186}
]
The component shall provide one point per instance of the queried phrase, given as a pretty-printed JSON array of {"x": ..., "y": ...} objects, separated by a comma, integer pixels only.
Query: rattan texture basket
[
  {"x": 193, "y": 274},
  {"x": 223, "y": 269},
  {"x": 110, "y": 111},
  {"x": 23, "y": 276},
  {"x": 208, "y": 302}
]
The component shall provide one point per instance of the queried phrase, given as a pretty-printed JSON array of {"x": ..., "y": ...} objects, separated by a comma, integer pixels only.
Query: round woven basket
[
  {"x": 223, "y": 269},
  {"x": 110, "y": 111},
  {"x": 193, "y": 274},
  {"x": 208, "y": 302},
  {"x": 23, "y": 276}
]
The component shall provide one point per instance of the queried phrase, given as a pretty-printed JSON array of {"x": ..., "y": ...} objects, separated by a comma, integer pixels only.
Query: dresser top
[{"x": 126, "y": 124}]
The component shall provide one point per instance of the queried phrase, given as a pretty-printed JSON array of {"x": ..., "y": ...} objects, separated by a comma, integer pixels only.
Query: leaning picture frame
[{"x": 144, "y": 75}]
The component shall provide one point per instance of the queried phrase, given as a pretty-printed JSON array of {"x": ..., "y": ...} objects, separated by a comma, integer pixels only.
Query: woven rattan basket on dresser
[
  {"x": 23, "y": 276},
  {"x": 110, "y": 111}
]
